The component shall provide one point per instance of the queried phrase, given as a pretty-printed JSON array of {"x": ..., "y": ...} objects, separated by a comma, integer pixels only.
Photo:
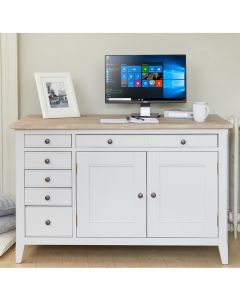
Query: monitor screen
[{"x": 145, "y": 78}]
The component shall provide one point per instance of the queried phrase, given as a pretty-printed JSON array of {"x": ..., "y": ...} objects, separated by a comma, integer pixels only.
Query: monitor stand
[{"x": 145, "y": 112}]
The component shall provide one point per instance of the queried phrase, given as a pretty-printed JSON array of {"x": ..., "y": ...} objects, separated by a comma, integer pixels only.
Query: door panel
[
  {"x": 108, "y": 184},
  {"x": 186, "y": 201}
]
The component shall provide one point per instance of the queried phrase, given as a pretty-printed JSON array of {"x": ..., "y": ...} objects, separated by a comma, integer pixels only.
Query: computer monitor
[{"x": 145, "y": 79}]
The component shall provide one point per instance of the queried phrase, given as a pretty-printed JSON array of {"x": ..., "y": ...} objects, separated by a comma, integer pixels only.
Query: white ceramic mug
[{"x": 200, "y": 111}]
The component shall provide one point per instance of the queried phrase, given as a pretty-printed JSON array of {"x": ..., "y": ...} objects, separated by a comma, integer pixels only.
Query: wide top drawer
[
  {"x": 151, "y": 140},
  {"x": 48, "y": 140}
]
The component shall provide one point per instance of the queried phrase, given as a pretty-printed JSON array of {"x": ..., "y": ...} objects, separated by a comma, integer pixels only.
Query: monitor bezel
[{"x": 169, "y": 100}]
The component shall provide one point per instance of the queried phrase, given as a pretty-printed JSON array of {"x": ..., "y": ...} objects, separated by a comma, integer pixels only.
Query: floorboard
[{"x": 122, "y": 257}]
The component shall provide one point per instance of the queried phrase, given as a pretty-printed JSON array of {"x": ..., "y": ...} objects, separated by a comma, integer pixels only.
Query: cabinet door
[
  {"x": 186, "y": 188},
  {"x": 111, "y": 194}
]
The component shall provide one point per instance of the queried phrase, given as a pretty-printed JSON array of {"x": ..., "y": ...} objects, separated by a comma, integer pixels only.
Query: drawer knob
[
  {"x": 110, "y": 141},
  {"x": 47, "y": 197},
  {"x": 47, "y": 141},
  {"x": 48, "y": 222},
  {"x": 183, "y": 142},
  {"x": 140, "y": 195},
  {"x": 47, "y": 161},
  {"x": 47, "y": 179},
  {"x": 153, "y": 195}
]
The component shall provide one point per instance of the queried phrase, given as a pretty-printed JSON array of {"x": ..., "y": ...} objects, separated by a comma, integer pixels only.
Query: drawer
[
  {"x": 153, "y": 140},
  {"x": 48, "y": 140},
  {"x": 109, "y": 141},
  {"x": 182, "y": 141},
  {"x": 48, "y": 178},
  {"x": 49, "y": 221},
  {"x": 48, "y": 196},
  {"x": 48, "y": 160}
]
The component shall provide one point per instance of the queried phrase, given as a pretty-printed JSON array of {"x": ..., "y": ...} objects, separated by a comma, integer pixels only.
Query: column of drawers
[{"x": 48, "y": 186}]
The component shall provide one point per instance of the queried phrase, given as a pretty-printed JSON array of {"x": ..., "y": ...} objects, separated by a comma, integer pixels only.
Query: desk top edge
[{"x": 92, "y": 122}]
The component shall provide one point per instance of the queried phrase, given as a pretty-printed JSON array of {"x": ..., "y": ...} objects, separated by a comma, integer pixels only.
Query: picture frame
[{"x": 56, "y": 95}]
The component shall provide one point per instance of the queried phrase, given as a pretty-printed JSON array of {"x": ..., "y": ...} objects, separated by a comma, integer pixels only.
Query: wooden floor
[{"x": 122, "y": 256}]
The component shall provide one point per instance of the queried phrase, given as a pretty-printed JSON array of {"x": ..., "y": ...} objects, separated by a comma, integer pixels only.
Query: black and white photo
[{"x": 57, "y": 94}]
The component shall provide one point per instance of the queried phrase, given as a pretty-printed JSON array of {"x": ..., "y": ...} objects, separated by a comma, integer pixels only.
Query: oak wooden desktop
[{"x": 92, "y": 122}]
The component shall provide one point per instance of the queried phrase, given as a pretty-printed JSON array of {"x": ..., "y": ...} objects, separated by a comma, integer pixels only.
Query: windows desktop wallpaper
[{"x": 145, "y": 77}]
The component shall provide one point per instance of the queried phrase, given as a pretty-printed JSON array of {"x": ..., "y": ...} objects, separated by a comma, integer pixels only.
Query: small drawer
[
  {"x": 182, "y": 141},
  {"x": 48, "y": 221},
  {"x": 48, "y": 140},
  {"x": 48, "y": 178},
  {"x": 48, "y": 196},
  {"x": 48, "y": 160},
  {"x": 109, "y": 141}
]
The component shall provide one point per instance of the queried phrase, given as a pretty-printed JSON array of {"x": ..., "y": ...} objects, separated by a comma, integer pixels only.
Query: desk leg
[
  {"x": 223, "y": 195},
  {"x": 223, "y": 250},
  {"x": 19, "y": 252}
]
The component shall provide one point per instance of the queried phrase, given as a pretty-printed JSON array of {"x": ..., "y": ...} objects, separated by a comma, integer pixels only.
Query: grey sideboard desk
[{"x": 80, "y": 182}]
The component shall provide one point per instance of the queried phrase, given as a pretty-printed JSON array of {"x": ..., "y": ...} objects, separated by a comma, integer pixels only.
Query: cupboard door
[
  {"x": 111, "y": 194},
  {"x": 182, "y": 194}
]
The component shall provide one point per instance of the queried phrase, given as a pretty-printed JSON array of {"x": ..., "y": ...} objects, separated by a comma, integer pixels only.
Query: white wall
[{"x": 213, "y": 66}]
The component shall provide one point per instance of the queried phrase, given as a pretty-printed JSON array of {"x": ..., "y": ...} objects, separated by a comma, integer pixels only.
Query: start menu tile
[{"x": 146, "y": 76}]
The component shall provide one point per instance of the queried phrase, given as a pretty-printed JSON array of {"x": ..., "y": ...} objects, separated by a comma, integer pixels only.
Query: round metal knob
[
  {"x": 47, "y": 179},
  {"x": 140, "y": 195},
  {"x": 47, "y": 197},
  {"x": 47, "y": 161},
  {"x": 110, "y": 141},
  {"x": 47, "y": 141},
  {"x": 183, "y": 142},
  {"x": 48, "y": 222},
  {"x": 153, "y": 195}
]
